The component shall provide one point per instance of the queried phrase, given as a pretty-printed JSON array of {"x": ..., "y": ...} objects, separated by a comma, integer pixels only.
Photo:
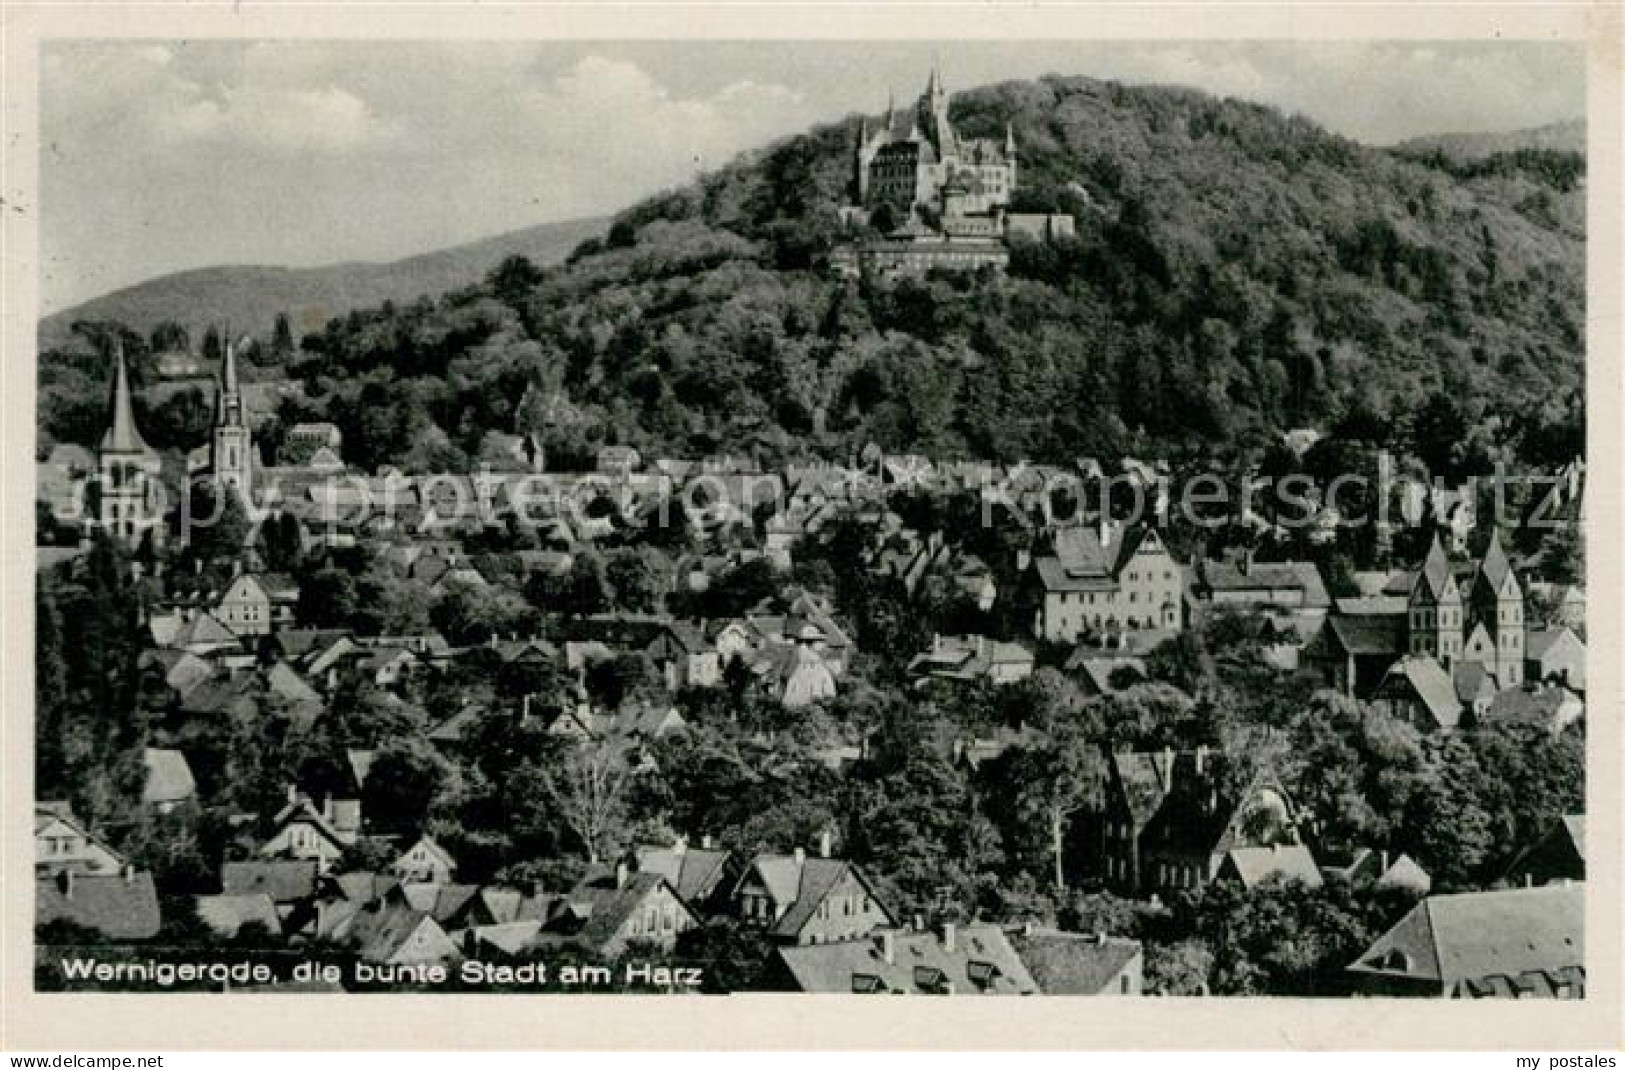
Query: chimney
[
  {"x": 919, "y": 923},
  {"x": 706, "y": 841},
  {"x": 950, "y": 935},
  {"x": 292, "y": 793},
  {"x": 801, "y": 857},
  {"x": 1201, "y": 756},
  {"x": 1384, "y": 859},
  {"x": 888, "y": 947},
  {"x": 824, "y": 839},
  {"x": 1245, "y": 565},
  {"x": 621, "y": 874},
  {"x": 680, "y": 847}
]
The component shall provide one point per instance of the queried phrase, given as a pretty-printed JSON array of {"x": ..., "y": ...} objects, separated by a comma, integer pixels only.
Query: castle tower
[
  {"x": 1435, "y": 613},
  {"x": 860, "y": 162},
  {"x": 231, "y": 456},
  {"x": 1497, "y": 603},
  {"x": 127, "y": 468}
]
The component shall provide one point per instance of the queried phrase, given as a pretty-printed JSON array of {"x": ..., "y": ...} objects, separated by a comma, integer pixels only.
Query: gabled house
[
  {"x": 1352, "y": 652},
  {"x": 1522, "y": 943},
  {"x": 610, "y": 910},
  {"x": 684, "y": 656},
  {"x": 1556, "y": 656},
  {"x": 258, "y": 603},
  {"x": 390, "y": 931},
  {"x": 303, "y": 830},
  {"x": 1252, "y": 866},
  {"x": 793, "y": 674},
  {"x": 63, "y": 844},
  {"x": 425, "y": 862},
  {"x": 1558, "y": 856},
  {"x": 169, "y": 783},
  {"x": 808, "y": 900},
  {"x": 1417, "y": 690},
  {"x": 1105, "y": 580},
  {"x": 954, "y": 960},
  {"x": 701, "y": 876},
  {"x": 972, "y": 658},
  {"x": 1170, "y": 819}
]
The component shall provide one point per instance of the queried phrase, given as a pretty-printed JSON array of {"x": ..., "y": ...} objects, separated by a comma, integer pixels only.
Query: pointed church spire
[
  {"x": 1436, "y": 569},
  {"x": 1495, "y": 566},
  {"x": 121, "y": 435},
  {"x": 228, "y": 409},
  {"x": 229, "y": 376},
  {"x": 1009, "y": 140}
]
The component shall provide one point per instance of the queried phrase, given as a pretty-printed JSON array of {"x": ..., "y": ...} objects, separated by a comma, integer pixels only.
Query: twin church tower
[{"x": 128, "y": 497}]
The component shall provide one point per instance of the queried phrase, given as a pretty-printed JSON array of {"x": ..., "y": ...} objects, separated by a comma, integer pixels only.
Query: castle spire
[
  {"x": 1009, "y": 140},
  {"x": 121, "y": 436}
]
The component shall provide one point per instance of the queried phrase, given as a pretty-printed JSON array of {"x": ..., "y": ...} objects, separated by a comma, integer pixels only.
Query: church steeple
[
  {"x": 229, "y": 407},
  {"x": 121, "y": 435},
  {"x": 232, "y": 457},
  {"x": 127, "y": 468}
]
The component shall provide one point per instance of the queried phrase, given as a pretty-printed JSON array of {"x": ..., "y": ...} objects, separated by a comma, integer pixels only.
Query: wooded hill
[{"x": 1236, "y": 273}]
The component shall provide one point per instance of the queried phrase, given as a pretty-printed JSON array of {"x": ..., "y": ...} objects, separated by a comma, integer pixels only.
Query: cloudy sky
[{"x": 162, "y": 156}]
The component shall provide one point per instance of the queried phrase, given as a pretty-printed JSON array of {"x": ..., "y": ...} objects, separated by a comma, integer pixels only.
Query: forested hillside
[{"x": 1235, "y": 273}]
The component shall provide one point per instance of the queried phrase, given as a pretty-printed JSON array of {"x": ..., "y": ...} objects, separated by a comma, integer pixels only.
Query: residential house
[
  {"x": 1475, "y": 689},
  {"x": 971, "y": 658},
  {"x": 1420, "y": 692},
  {"x": 1169, "y": 821},
  {"x": 1558, "y": 856},
  {"x": 1556, "y": 656},
  {"x": 169, "y": 784},
  {"x": 1352, "y": 653},
  {"x": 289, "y": 882},
  {"x": 1253, "y": 866},
  {"x": 1081, "y": 964},
  {"x": 390, "y": 931},
  {"x": 703, "y": 877},
  {"x": 684, "y": 656},
  {"x": 795, "y": 675},
  {"x": 1551, "y": 707},
  {"x": 614, "y": 909},
  {"x": 306, "y": 831},
  {"x": 1379, "y": 868},
  {"x": 1106, "y": 580},
  {"x": 800, "y": 899},
  {"x": 952, "y": 960},
  {"x": 1245, "y": 585},
  {"x": 119, "y": 906},
  {"x": 1522, "y": 943},
  {"x": 425, "y": 862},
  {"x": 227, "y": 915},
  {"x": 63, "y": 844},
  {"x": 257, "y": 603}
]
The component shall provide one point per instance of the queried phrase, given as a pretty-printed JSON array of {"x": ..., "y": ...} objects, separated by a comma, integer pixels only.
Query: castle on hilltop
[
  {"x": 918, "y": 162},
  {"x": 938, "y": 199}
]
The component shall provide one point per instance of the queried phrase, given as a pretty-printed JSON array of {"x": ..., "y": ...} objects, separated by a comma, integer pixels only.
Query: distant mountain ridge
[
  {"x": 250, "y": 296},
  {"x": 1557, "y": 137}
]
